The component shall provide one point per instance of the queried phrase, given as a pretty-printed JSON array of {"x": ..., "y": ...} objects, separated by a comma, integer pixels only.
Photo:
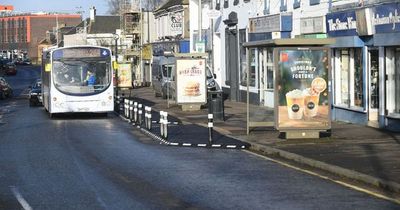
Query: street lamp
[{"x": 116, "y": 37}]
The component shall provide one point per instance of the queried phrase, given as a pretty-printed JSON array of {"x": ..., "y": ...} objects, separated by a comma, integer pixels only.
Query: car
[
  {"x": 5, "y": 89},
  {"x": 10, "y": 69},
  {"x": 35, "y": 93},
  {"x": 26, "y": 61}
]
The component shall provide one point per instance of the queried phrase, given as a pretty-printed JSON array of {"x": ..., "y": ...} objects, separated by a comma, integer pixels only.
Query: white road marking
[
  {"x": 202, "y": 145},
  {"x": 187, "y": 145},
  {"x": 216, "y": 145},
  {"x": 231, "y": 146},
  {"x": 378, "y": 195},
  {"x": 174, "y": 144},
  {"x": 20, "y": 199}
]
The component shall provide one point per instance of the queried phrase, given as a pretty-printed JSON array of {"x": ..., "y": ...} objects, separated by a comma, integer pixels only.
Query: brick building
[{"x": 21, "y": 33}]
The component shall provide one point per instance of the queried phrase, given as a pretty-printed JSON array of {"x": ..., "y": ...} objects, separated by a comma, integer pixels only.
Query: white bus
[{"x": 77, "y": 79}]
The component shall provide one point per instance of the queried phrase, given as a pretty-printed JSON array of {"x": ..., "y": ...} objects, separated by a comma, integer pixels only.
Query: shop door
[
  {"x": 266, "y": 77},
  {"x": 232, "y": 62},
  {"x": 373, "y": 87}
]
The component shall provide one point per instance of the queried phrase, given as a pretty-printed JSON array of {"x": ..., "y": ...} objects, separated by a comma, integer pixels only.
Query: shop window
[
  {"x": 393, "y": 82},
  {"x": 349, "y": 78},
  {"x": 242, "y": 57},
  {"x": 235, "y": 2},
  {"x": 253, "y": 67},
  {"x": 226, "y": 4},
  {"x": 218, "y": 5}
]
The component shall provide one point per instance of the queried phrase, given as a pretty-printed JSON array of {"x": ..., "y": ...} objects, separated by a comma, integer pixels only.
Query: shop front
[
  {"x": 355, "y": 70},
  {"x": 387, "y": 40}
]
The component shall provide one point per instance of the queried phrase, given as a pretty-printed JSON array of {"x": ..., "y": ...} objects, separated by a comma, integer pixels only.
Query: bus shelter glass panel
[{"x": 260, "y": 87}]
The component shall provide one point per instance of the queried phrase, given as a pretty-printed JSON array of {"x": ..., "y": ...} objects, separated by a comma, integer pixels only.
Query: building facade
[{"x": 21, "y": 33}]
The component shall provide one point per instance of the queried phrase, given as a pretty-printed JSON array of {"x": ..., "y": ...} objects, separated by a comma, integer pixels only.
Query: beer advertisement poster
[
  {"x": 302, "y": 93},
  {"x": 191, "y": 81},
  {"x": 124, "y": 75}
]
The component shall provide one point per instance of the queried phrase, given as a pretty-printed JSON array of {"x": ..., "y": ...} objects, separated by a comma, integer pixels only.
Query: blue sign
[
  {"x": 341, "y": 24},
  {"x": 387, "y": 18}
]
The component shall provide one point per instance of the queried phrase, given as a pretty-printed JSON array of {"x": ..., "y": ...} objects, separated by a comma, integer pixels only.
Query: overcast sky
[{"x": 68, "y": 6}]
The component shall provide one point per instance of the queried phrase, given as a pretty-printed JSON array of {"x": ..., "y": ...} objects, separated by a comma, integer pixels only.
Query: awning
[
  {"x": 291, "y": 42},
  {"x": 387, "y": 39}
]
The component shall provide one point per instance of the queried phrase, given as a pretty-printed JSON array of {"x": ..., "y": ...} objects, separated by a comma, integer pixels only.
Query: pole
[
  {"x": 116, "y": 61},
  {"x": 210, "y": 128},
  {"x": 200, "y": 17}
]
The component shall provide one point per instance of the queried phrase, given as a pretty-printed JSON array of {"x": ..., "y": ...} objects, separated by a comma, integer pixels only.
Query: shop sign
[
  {"x": 191, "y": 80},
  {"x": 312, "y": 25},
  {"x": 270, "y": 23},
  {"x": 124, "y": 75},
  {"x": 176, "y": 23},
  {"x": 302, "y": 96},
  {"x": 341, "y": 24},
  {"x": 387, "y": 18}
]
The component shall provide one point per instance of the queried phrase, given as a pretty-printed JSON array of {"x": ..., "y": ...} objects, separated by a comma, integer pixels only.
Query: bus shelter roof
[{"x": 291, "y": 42}]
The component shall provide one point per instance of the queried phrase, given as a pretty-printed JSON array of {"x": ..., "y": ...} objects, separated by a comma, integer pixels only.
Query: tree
[{"x": 113, "y": 6}]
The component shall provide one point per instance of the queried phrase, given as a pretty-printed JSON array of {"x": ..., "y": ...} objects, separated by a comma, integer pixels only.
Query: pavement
[{"x": 361, "y": 153}]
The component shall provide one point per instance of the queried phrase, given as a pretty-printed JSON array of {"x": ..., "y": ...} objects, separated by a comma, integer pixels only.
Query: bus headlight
[
  {"x": 110, "y": 98},
  {"x": 54, "y": 98}
]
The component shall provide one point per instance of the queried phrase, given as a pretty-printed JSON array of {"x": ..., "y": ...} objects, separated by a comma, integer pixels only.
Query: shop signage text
[
  {"x": 387, "y": 18},
  {"x": 341, "y": 24}
]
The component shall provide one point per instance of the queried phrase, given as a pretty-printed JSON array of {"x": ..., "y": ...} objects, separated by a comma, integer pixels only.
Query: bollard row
[{"x": 147, "y": 116}]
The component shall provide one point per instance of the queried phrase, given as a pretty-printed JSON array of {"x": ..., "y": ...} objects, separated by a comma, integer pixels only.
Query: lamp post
[{"x": 116, "y": 37}]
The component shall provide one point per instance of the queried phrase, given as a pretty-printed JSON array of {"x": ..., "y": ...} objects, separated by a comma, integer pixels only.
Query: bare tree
[{"x": 113, "y": 7}]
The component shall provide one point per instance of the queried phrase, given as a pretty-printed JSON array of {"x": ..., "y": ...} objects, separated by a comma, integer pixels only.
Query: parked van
[
  {"x": 162, "y": 70},
  {"x": 163, "y": 77}
]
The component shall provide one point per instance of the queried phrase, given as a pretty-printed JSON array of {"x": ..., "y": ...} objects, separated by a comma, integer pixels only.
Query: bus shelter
[{"x": 266, "y": 80}]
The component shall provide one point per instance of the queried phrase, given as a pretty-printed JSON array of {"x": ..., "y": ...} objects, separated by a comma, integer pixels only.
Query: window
[
  {"x": 314, "y": 2},
  {"x": 283, "y": 6},
  {"x": 296, "y": 4},
  {"x": 266, "y": 7},
  {"x": 349, "y": 78}
]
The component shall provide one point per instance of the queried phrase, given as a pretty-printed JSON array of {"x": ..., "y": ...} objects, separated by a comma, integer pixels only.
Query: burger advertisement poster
[
  {"x": 191, "y": 80},
  {"x": 302, "y": 93},
  {"x": 124, "y": 75}
]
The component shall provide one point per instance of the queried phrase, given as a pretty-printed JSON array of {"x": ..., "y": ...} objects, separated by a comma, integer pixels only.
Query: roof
[
  {"x": 172, "y": 3},
  {"x": 104, "y": 24}
]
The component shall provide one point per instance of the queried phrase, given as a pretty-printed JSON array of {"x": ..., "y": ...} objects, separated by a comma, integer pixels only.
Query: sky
[{"x": 65, "y": 6}]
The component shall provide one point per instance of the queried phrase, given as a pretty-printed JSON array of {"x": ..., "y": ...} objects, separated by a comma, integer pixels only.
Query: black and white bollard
[
  {"x": 210, "y": 128},
  {"x": 149, "y": 122},
  {"x": 126, "y": 110},
  {"x": 135, "y": 110},
  {"x": 162, "y": 124},
  {"x": 117, "y": 104},
  {"x": 130, "y": 110},
  {"x": 165, "y": 120},
  {"x": 121, "y": 106},
  {"x": 140, "y": 111}
]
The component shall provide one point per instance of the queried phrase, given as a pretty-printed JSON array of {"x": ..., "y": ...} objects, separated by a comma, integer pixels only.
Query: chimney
[{"x": 92, "y": 13}]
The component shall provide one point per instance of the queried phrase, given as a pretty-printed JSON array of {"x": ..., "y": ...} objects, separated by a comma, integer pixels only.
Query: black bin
[{"x": 216, "y": 105}]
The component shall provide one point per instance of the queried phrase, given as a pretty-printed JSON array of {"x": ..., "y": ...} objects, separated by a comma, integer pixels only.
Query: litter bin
[{"x": 216, "y": 105}]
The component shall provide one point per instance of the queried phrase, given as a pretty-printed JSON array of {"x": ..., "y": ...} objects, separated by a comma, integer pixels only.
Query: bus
[{"x": 77, "y": 79}]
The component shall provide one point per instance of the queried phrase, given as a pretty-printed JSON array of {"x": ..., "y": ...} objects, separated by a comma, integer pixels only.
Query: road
[{"x": 91, "y": 162}]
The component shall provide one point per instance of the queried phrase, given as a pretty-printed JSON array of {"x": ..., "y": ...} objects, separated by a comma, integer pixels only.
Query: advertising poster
[
  {"x": 124, "y": 75},
  {"x": 302, "y": 91},
  {"x": 191, "y": 81}
]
